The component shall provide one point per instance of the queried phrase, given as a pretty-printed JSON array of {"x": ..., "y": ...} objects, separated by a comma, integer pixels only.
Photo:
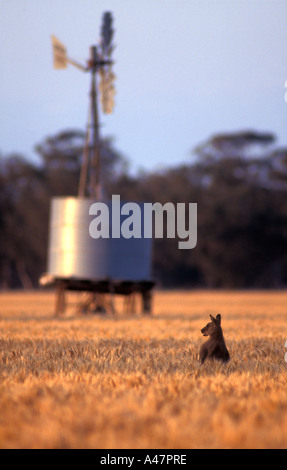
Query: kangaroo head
[{"x": 213, "y": 326}]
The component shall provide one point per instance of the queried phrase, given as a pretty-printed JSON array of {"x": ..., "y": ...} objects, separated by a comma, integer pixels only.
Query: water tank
[{"x": 73, "y": 253}]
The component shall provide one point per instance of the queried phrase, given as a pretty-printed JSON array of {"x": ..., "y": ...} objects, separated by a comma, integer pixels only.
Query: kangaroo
[{"x": 214, "y": 347}]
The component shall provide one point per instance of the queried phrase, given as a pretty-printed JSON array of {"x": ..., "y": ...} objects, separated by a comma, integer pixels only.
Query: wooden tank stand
[{"x": 99, "y": 295}]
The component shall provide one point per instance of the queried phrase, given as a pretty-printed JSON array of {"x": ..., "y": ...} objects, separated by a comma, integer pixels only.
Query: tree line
[{"x": 239, "y": 182}]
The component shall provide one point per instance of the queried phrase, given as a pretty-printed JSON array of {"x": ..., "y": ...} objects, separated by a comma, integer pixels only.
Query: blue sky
[{"x": 186, "y": 70}]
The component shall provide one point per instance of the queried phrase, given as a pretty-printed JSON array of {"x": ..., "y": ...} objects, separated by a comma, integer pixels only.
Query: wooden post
[
  {"x": 146, "y": 301},
  {"x": 60, "y": 300}
]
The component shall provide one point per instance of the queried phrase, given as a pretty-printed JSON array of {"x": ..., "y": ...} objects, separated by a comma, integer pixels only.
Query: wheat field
[{"x": 134, "y": 381}]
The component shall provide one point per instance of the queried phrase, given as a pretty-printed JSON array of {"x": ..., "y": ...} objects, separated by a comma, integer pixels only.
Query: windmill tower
[
  {"x": 103, "y": 267},
  {"x": 99, "y": 65}
]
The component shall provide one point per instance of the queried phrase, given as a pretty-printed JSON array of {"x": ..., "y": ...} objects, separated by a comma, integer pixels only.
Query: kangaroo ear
[
  {"x": 218, "y": 318},
  {"x": 212, "y": 318}
]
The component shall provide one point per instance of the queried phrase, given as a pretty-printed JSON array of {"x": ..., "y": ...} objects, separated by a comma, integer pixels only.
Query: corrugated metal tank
[{"x": 72, "y": 252}]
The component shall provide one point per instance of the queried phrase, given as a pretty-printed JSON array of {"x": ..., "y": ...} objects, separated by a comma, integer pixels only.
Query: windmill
[
  {"x": 100, "y": 63},
  {"x": 104, "y": 267}
]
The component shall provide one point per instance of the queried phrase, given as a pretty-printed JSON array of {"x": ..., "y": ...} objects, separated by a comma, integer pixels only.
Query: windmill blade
[
  {"x": 107, "y": 33},
  {"x": 59, "y": 54},
  {"x": 107, "y": 90}
]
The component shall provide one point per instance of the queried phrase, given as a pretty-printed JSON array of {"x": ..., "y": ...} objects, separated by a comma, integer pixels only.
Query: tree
[
  {"x": 243, "y": 217},
  {"x": 238, "y": 180}
]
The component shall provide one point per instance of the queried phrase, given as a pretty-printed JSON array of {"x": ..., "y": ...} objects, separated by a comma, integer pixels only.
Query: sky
[{"x": 186, "y": 70}]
